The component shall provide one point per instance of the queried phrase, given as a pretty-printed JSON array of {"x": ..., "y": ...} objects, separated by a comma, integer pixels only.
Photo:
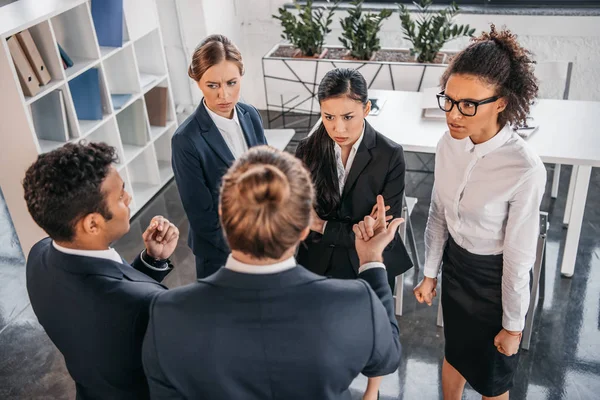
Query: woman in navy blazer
[{"x": 219, "y": 131}]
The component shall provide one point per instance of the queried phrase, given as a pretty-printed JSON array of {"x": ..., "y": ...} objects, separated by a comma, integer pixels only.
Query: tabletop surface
[{"x": 568, "y": 132}]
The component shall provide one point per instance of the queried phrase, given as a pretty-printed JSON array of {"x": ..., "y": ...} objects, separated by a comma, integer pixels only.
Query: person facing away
[
  {"x": 218, "y": 132},
  {"x": 92, "y": 304},
  {"x": 264, "y": 327},
  {"x": 483, "y": 223},
  {"x": 351, "y": 164}
]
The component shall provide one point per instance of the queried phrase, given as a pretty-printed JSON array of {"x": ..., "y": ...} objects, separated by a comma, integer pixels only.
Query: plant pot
[
  {"x": 291, "y": 83},
  {"x": 298, "y": 54},
  {"x": 348, "y": 57}
]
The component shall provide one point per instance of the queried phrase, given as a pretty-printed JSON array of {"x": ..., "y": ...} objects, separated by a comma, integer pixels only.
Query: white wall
[{"x": 250, "y": 25}]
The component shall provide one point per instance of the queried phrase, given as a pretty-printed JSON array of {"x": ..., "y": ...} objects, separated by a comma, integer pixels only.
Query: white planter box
[{"x": 291, "y": 84}]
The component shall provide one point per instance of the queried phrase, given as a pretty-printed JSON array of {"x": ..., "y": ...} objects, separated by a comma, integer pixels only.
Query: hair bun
[{"x": 263, "y": 184}]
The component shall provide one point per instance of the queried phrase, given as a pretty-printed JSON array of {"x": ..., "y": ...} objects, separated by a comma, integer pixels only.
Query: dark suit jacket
[
  {"x": 289, "y": 335},
  {"x": 200, "y": 159},
  {"x": 96, "y": 313},
  {"x": 378, "y": 168}
]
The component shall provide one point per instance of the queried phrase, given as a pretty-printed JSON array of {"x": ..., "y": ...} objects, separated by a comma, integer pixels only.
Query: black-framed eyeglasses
[{"x": 468, "y": 108}]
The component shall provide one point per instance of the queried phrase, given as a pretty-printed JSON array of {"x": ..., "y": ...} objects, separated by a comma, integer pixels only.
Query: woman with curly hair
[{"x": 484, "y": 215}]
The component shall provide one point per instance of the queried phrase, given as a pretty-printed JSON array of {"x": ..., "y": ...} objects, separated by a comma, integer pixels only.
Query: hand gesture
[
  {"x": 373, "y": 223},
  {"x": 160, "y": 238},
  {"x": 371, "y": 238}
]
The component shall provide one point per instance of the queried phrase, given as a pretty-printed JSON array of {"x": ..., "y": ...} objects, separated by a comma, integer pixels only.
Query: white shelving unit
[{"x": 133, "y": 69}]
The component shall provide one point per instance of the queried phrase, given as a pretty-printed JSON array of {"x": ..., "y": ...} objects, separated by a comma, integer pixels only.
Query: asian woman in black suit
[
  {"x": 351, "y": 164},
  {"x": 207, "y": 143}
]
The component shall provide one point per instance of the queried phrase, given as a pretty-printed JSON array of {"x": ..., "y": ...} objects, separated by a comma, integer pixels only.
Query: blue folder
[
  {"x": 108, "y": 21},
  {"x": 85, "y": 91},
  {"x": 119, "y": 100}
]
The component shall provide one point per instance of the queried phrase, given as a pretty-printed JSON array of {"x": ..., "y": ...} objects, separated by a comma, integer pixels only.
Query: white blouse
[
  {"x": 487, "y": 197},
  {"x": 231, "y": 131}
]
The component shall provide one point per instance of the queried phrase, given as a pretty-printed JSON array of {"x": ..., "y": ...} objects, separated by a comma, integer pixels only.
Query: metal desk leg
[
  {"x": 579, "y": 198},
  {"x": 440, "y": 313},
  {"x": 399, "y": 295},
  {"x": 537, "y": 272},
  {"x": 399, "y": 292},
  {"x": 569, "y": 204},
  {"x": 555, "y": 181}
]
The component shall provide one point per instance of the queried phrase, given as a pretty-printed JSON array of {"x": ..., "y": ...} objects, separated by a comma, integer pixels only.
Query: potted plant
[
  {"x": 429, "y": 31},
  {"x": 360, "y": 31},
  {"x": 306, "y": 31},
  {"x": 291, "y": 82}
]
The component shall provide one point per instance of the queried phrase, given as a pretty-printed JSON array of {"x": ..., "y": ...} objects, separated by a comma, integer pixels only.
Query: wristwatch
[{"x": 155, "y": 262}]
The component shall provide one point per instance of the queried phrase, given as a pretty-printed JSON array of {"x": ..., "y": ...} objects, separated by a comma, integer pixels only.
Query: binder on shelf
[
  {"x": 156, "y": 103},
  {"x": 29, "y": 82},
  {"x": 34, "y": 57},
  {"x": 429, "y": 104},
  {"x": 65, "y": 57},
  {"x": 108, "y": 21},
  {"x": 50, "y": 117},
  {"x": 85, "y": 91},
  {"x": 119, "y": 100}
]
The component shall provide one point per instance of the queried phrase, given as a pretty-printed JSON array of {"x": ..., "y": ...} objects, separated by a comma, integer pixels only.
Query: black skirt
[{"x": 472, "y": 307}]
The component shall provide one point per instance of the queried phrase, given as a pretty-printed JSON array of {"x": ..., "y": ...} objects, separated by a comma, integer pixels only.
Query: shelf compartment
[
  {"x": 43, "y": 37},
  {"x": 159, "y": 105},
  {"x": 150, "y": 59},
  {"x": 91, "y": 99},
  {"x": 144, "y": 175},
  {"x": 162, "y": 148},
  {"x": 108, "y": 133},
  {"x": 74, "y": 32},
  {"x": 122, "y": 78},
  {"x": 53, "y": 118},
  {"x": 133, "y": 128}
]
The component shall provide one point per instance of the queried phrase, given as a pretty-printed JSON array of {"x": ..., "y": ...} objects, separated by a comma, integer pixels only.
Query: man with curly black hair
[{"x": 92, "y": 304}]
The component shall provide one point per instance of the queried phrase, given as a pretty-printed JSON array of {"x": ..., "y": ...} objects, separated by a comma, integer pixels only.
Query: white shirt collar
[
  {"x": 222, "y": 122},
  {"x": 110, "y": 254},
  {"x": 490, "y": 145},
  {"x": 244, "y": 268}
]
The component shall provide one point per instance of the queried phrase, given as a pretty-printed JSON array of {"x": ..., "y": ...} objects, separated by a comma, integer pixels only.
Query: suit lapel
[
  {"x": 247, "y": 127},
  {"x": 213, "y": 137},
  {"x": 362, "y": 159}
]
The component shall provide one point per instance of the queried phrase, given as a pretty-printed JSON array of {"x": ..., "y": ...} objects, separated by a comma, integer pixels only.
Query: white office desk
[{"x": 568, "y": 134}]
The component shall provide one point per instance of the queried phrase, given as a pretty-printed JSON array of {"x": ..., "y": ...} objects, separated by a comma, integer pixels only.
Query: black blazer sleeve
[
  {"x": 339, "y": 233},
  {"x": 160, "y": 387},
  {"x": 385, "y": 357},
  {"x": 152, "y": 273},
  {"x": 393, "y": 190},
  {"x": 195, "y": 195}
]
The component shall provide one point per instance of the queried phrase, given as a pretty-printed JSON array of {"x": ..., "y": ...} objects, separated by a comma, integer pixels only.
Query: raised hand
[{"x": 160, "y": 238}]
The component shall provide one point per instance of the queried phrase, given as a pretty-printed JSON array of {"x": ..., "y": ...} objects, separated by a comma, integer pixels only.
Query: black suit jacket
[
  {"x": 96, "y": 313},
  {"x": 289, "y": 335},
  {"x": 378, "y": 168},
  {"x": 200, "y": 159}
]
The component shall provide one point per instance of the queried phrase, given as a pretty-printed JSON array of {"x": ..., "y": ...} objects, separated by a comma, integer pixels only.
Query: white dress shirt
[
  {"x": 284, "y": 265},
  {"x": 231, "y": 131},
  {"x": 109, "y": 254},
  {"x": 344, "y": 170},
  {"x": 487, "y": 197}
]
